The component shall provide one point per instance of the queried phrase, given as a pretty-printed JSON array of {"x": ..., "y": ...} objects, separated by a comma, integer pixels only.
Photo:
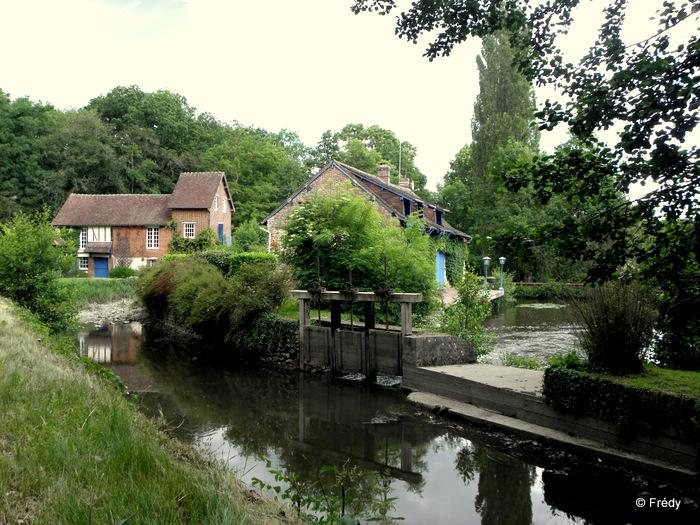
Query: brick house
[
  {"x": 132, "y": 231},
  {"x": 396, "y": 202}
]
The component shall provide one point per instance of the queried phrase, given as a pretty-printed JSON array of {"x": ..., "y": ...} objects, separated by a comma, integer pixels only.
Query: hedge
[{"x": 633, "y": 410}]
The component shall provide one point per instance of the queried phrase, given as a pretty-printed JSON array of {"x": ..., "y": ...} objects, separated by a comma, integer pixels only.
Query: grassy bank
[
  {"x": 72, "y": 450},
  {"x": 100, "y": 290}
]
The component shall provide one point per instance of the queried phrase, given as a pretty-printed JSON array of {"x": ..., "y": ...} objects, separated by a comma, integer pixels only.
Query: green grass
[
  {"x": 74, "y": 451},
  {"x": 679, "y": 382},
  {"x": 100, "y": 290}
]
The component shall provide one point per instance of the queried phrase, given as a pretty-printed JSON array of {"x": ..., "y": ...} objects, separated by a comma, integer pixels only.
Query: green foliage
[
  {"x": 174, "y": 256},
  {"x": 206, "y": 239},
  {"x": 258, "y": 286},
  {"x": 248, "y": 237},
  {"x": 455, "y": 259},
  {"x": 551, "y": 290},
  {"x": 344, "y": 231},
  {"x": 219, "y": 257},
  {"x": 266, "y": 334},
  {"x": 635, "y": 411},
  {"x": 511, "y": 359},
  {"x": 324, "y": 501},
  {"x": 238, "y": 260},
  {"x": 99, "y": 290},
  {"x": 570, "y": 360},
  {"x": 617, "y": 325},
  {"x": 30, "y": 268},
  {"x": 122, "y": 272},
  {"x": 645, "y": 89},
  {"x": 465, "y": 318},
  {"x": 365, "y": 147}
]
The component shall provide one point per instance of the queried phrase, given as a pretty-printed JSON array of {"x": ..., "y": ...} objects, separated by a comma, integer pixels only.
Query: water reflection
[{"x": 441, "y": 472}]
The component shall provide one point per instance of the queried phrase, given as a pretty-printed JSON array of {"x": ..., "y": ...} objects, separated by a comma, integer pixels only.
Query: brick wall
[
  {"x": 136, "y": 237},
  {"x": 199, "y": 217},
  {"x": 221, "y": 214}
]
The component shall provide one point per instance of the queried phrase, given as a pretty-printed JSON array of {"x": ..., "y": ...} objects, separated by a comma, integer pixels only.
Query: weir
[{"x": 342, "y": 348}]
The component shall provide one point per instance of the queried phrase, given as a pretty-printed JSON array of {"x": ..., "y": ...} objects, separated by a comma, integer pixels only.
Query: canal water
[
  {"x": 438, "y": 471},
  {"x": 532, "y": 330}
]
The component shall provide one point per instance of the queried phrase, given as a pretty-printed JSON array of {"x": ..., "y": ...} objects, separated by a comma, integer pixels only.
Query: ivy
[{"x": 456, "y": 253}]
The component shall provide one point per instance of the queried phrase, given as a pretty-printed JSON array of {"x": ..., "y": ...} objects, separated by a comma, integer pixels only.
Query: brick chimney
[
  {"x": 405, "y": 182},
  {"x": 384, "y": 172}
]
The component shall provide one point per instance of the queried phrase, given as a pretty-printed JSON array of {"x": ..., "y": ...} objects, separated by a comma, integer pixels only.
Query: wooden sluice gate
[{"x": 356, "y": 349}]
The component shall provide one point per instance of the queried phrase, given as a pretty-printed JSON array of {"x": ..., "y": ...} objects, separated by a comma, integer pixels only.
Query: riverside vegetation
[{"x": 74, "y": 450}]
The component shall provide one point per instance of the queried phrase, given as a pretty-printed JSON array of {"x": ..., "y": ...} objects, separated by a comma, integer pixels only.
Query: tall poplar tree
[{"x": 503, "y": 112}]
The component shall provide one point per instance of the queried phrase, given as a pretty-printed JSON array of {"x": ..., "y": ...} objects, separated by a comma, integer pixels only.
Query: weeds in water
[
  {"x": 511, "y": 359},
  {"x": 327, "y": 498}
]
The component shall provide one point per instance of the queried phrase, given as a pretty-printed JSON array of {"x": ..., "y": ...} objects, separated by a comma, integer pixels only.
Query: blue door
[
  {"x": 101, "y": 267},
  {"x": 221, "y": 232},
  {"x": 440, "y": 267}
]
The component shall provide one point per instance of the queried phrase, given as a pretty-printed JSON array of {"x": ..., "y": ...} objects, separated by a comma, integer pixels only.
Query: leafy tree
[
  {"x": 30, "y": 266},
  {"x": 647, "y": 89},
  {"x": 364, "y": 148},
  {"x": 248, "y": 237},
  {"x": 23, "y": 125},
  {"x": 345, "y": 231}
]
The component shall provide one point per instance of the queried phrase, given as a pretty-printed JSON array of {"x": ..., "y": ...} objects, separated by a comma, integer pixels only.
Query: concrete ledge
[
  {"x": 480, "y": 416},
  {"x": 517, "y": 394}
]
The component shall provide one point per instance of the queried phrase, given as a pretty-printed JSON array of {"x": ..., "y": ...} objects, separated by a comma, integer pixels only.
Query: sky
[{"x": 302, "y": 65}]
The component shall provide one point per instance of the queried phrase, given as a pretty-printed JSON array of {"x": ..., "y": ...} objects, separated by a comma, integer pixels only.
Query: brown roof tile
[
  {"x": 114, "y": 210},
  {"x": 196, "y": 190}
]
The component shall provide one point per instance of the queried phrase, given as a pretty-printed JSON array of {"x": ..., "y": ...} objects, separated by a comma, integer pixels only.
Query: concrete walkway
[{"x": 510, "y": 399}]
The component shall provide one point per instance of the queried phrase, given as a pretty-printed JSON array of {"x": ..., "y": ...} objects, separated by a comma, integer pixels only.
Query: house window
[
  {"x": 83, "y": 238},
  {"x": 188, "y": 229},
  {"x": 223, "y": 205},
  {"x": 152, "y": 238},
  {"x": 216, "y": 203},
  {"x": 82, "y": 263}
]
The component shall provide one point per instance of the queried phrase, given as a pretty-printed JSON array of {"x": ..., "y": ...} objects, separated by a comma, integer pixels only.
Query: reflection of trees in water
[
  {"x": 504, "y": 484},
  {"x": 307, "y": 422}
]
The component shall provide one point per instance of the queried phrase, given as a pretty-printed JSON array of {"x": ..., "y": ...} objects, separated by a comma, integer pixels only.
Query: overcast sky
[{"x": 303, "y": 65}]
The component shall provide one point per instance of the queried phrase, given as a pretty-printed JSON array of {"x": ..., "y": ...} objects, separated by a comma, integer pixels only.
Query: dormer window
[
  {"x": 406, "y": 207},
  {"x": 438, "y": 217}
]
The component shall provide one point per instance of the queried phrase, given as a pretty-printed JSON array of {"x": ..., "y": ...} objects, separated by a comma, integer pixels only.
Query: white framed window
[
  {"x": 223, "y": 204},
  {"x": 83, "y": 238},
  {"x": 83, "y": 263},
  {"x": 188, "y": 230},
  {"x": 216, "y": 203},
  {"x": 151, "y": 238}
]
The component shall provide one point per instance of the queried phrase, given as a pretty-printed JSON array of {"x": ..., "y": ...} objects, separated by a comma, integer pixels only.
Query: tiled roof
[
  {"x": 114, "y": 210},
  {"x": 406, "y": 193},
  {"x": 197, "y": 189}
]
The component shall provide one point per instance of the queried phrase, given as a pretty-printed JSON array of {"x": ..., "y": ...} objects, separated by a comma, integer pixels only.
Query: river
[{"x": 439, "y": 471}]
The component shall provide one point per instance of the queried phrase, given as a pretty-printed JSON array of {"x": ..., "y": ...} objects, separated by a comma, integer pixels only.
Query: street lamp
[
  {"x": 487, "y": 260},
  {"x": 502, "y": 260}
]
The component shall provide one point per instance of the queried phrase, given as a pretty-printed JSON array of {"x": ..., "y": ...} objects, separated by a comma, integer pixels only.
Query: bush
[
  {"x": 31, "y": 263},
  {"x": 259, "y": 286},
  {"x": 617, "y": 323},
  {"x": 344, "y": 231},
  {"x": 465, "y": 318},
  {"x": 248, "y": 237},
  {"x": 633, "y": 410},
  {"x": 122, "y": 272}
]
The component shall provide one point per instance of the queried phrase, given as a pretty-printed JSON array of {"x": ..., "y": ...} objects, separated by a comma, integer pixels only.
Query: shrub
[
  {"x": 205, "y": 239},
  {"x": 633, "y": 410},
  {"x": 238, "y": 260},
  {"x": 122, "y": 272},
  {"x": 219, "y": 257},
  {"x": 259, "y": 287},
  {"x": 465, "y": 318},
  {"x": 617, "y": 323},
  {"x": 248, "y": 237},
  {"x": 31, "y": 263}
]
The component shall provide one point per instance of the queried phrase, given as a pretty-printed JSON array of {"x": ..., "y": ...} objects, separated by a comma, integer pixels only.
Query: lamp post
[
  {"x": 487, "y": 260},
  {"x": 502, "y": 260}
]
